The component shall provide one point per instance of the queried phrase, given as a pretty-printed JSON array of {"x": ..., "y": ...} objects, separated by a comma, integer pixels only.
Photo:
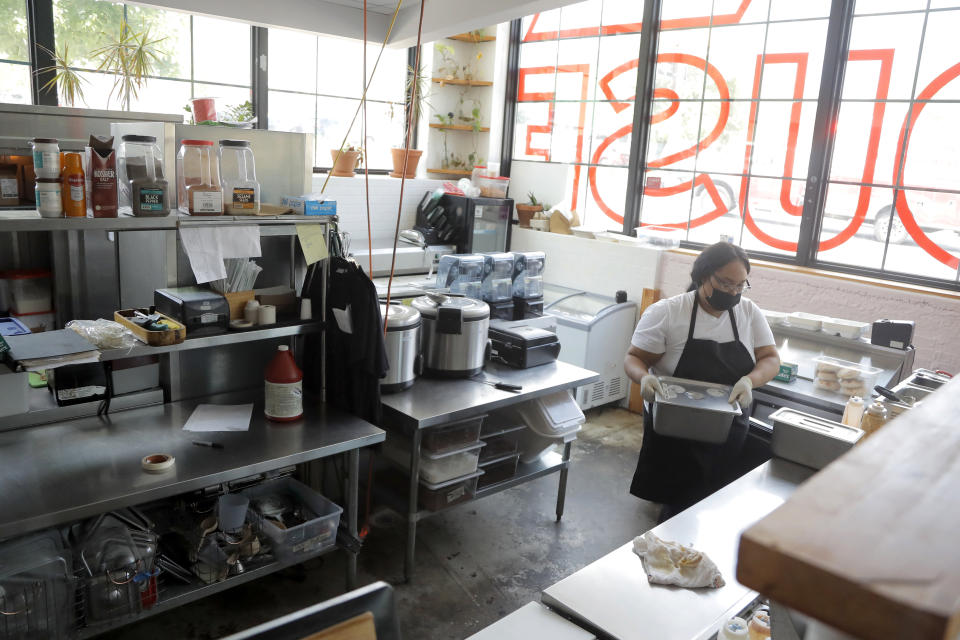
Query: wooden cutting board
[{"x": 871, "y": 544}]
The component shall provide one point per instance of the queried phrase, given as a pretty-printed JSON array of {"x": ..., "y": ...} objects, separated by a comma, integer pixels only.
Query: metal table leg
[
  {"x": 353, "y": 482},
  {"x": 562, "y": 491},
  {"x": 412, "y": 506}
]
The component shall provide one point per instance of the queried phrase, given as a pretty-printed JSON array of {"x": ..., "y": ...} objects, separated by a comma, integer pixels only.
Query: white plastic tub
[
  {"x": 808, "y": 321},
  {"x": 437, "y": 468},
  {"x": 30, "y": 291},
  {"x": 845, "y": 328},
  {"x": 775, "y": 318}
]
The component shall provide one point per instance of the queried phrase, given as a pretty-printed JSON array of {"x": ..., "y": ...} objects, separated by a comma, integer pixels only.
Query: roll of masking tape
[
  {"x": 157, "y": 462},
  {"x": 266, "y": 314}
]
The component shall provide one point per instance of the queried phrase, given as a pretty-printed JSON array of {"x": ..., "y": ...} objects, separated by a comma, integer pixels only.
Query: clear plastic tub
[
  {"x": 30, "y": 291},
  {"x": 498, "y": 470},
  {"x": 499, "y": 446},
  {"x": 659, "y": 237},
  {"x": 36, "y": 587},
  {"x": 318, "y": 531},
  {"x": 843, "y": 377},
  {"x": 434, "y": 497},
  {"x": 441, "y": 467},
  {"x": 493, "y": 187},
  {"x": 452, "y": 437}
]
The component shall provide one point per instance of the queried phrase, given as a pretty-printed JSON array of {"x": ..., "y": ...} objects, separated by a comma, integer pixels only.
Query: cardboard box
[
  {"x": 311, "y": 204},
  {"x": 237, "y": 301},
  {"x": 788, "y": 372}
]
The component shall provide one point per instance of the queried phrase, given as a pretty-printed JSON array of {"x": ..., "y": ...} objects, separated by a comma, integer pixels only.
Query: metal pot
[
  {"x": 403, "y": 347},
  {"x": 455, "y": 343}
]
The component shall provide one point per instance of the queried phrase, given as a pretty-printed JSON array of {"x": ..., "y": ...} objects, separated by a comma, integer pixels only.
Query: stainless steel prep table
[
  {"x": 434, "y": 402},
  {"x": 612, "y": 597},
  {"x": 62, "y": 472}
]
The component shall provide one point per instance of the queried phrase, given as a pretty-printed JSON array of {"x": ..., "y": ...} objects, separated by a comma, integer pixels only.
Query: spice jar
[
  {"x": 142, "y": 185},
  {"x": 46, "y": 157},
  {"x": 875, "y": 417},
  {"x": 238, "y": 175},
  {"x": 198, "y": 185},
  {"x": 74, "y": 186},
  {"x": 49, "y": 197}
]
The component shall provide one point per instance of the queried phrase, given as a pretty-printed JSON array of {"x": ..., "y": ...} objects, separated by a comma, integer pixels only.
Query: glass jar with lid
[
  {"x": 142, "y": 185},
  {"x": 198, "y": 179},
  {"x": 238, "y": 175}
]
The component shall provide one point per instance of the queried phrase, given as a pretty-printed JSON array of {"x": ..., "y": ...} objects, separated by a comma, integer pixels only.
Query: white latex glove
[
  {"x": 650, "y": 387},
  {"x": 742, "y": 392}
]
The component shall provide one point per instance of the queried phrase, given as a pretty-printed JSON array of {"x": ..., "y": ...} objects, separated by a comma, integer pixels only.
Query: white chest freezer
[{"x": 594, "y": 333}]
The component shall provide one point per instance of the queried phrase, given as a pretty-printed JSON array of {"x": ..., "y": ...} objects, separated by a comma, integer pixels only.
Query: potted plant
[
  {"x": 526, "y": 212},
  {"x": 403, "y": 157},
  {"x": 345, "y": 160}
]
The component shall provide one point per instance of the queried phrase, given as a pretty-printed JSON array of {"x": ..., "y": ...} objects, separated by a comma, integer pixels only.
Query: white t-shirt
[{"x": 664, "y": 326}]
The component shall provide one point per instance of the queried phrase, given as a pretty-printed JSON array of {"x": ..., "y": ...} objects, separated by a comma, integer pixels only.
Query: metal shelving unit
[{"x": 160, "y": 223}]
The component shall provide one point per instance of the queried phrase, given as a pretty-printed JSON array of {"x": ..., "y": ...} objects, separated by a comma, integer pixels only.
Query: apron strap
[
  {"x": 693, "y": 315},
  {"x": 733, "y": 323}
]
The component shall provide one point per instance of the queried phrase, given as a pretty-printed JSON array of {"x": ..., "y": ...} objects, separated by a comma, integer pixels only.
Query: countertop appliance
[
  {"x": 897, "y": 334},
  {"x": 403, "y": 347},
  {"x": 455, "y": 343},
  {"x": 594, "y": 332},
  {"x": 474, "y": 225},
  {"x": 201, "y": 311},
  {"x": 521, "y": 346}
]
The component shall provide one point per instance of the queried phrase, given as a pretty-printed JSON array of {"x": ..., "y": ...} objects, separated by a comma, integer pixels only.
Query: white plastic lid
[{"x": 283, "y": 347}]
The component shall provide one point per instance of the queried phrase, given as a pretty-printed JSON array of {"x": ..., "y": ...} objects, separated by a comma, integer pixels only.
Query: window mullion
[
  {"x": 40, "y": 30},
  {"x": 258, "y": 75},
  {"x": 510, "y": 98},
  {"x": 825, "y": 129}
]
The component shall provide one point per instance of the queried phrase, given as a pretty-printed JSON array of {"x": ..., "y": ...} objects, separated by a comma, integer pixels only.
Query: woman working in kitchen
[{"x": 709, "y": 334}]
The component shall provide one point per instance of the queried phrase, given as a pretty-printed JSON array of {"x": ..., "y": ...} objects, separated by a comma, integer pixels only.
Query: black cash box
[
  {"x": 897, "y": 334},
  {"x": 522, "y": 346},
  {"x": 201, "y": 311}
]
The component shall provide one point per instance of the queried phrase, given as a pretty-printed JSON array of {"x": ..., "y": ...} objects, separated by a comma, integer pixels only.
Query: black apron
[{"x": 682, "y": 472}]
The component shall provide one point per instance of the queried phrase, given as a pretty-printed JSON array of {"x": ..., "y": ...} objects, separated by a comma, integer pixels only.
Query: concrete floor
[{"x": 475, "y": 563}]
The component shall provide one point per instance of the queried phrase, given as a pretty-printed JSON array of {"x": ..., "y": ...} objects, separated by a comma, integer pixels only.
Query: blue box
[
  {"x": 310, "y": 205},
  {"x": 13, "y": 327}
]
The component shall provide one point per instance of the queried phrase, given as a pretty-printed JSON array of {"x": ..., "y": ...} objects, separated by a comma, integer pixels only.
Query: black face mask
[{"x": 723, "y": 301}]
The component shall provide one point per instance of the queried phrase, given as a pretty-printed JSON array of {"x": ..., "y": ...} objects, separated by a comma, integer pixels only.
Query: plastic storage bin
[
  {"x": 659, "y": 237},
  {"x": 844, "y": 377},
  {"x": 453, "y": 436},
  {"x": 319, "y": 530},
  {"x": 499, "y": 446},
  {"x": 36, "y": 588},
  {"x": 498, "y": 470},
  {"x": 13, "y": 327},
  {"x": 551, "y": 419},
  {"x": 36, "y": 322},
  {"x": 441, "y": 467},
  {"x": 492, "y": 186},
  {"x": 434, "y": 497},
  {"x": 30, "y": 291}
]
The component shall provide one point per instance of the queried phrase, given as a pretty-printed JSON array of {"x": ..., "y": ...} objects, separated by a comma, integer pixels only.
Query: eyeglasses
[{"x": 732, "y": 287}]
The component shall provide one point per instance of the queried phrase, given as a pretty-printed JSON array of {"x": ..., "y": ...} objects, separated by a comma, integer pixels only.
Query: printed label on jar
[
  {"x": 244, "y": 198},
  {"x": 151, "y": 199},
  {"x": 208, "y": 202},
  {"x": 45, "y": 160},
  {"x": 283, "y": 400},
  {"x": 8, "y": 188},
  {"x": 49, "y": 200}
]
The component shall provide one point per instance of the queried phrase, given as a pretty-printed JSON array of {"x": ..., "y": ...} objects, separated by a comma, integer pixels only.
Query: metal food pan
[
  {"x": 810, "y": 440},
  {"x": 699, "y": 412}
]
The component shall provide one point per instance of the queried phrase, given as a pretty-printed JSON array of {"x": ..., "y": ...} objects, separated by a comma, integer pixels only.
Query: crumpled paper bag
[{"x": 672, "y": 563}]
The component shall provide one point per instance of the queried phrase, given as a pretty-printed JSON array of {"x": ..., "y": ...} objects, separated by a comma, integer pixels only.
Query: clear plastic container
[
  {"x": 142, "y": 185},
  {"x": 198, "y": 179},
  {"x": 493, "y": 186},
  {"x": 528, "y": 274},
  {"x": 36, "y": 588},
  {"x": 452, "y": 437},
  {"x": 659, "y": 237},
  {"x": 498, "y": 470},
  {"x": 238, "y": 175},
  {"x": 317, "y": 532},
  {"x": 497, "y": 285},
  {"x": 440, "y": 467},
  {"x": 434, "y": 497},
  {"x": 843, "y": 377},
  {"x": 499, "y": 446},
  {"x": 30, "y": 291},
  {"x": 462, "y": 274}
]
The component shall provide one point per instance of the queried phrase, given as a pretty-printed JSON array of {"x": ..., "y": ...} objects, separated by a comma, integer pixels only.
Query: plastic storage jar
[
  {"x": 49, "y": 193},
  {"x": 142, "y": 185},
  {"x": 46, "y": 157},
  {"x": 198, "y": 179},
  {"x": 238, "y": 175},
  {"x": 30, "y": 291}
]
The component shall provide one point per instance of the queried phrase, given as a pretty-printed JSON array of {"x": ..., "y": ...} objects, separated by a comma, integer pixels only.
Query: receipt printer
[
  {"x": 201, "y": 311},
  {"x": 897, "y": 334}
]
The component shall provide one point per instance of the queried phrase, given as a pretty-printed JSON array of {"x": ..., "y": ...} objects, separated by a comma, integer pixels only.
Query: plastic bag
[{"x": 104, "y": 334}]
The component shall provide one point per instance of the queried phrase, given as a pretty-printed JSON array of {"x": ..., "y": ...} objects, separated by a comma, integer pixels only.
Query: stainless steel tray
[
  {"x": 694, "y": 410},
  {"x": 810, "y": 440}
]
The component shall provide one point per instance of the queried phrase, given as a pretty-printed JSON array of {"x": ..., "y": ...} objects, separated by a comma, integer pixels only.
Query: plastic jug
[
  {"x": 142, "y": 185},
  {"x": 284, "y": 387},
  {"x": 238, "y": 175},
  {"x": 198, "y": 173}
]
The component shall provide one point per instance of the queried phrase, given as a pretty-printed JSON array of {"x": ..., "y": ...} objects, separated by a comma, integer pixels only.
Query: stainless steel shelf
[
  {"x": 44, "y": 408},
  {"x": 173, "y": 597},
  {"x": 232, "y": 337},
  {"x": 526, "y": 472},
  {"x": 161, "y": 223}
]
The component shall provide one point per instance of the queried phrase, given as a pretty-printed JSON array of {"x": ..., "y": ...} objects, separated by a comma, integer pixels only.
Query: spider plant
[
  {"x": 130, "y": 58},
  {"x": 65, "y": 77}
]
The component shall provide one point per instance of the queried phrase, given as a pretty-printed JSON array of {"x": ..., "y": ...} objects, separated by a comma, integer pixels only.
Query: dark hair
[{"x": 713, "y": 258}]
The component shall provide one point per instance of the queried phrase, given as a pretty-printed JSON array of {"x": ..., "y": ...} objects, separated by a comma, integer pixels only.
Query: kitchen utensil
[
  {"x": 499, "y": 384},
  {"x": 454, "y": 335},
  {"x": 402, "y": 342},
  {"x": 694, "y": 410},
  {"x": 232, "y": 510},
  {"x": 890, "y": 395},
  {"x": 810, "y": 440}
]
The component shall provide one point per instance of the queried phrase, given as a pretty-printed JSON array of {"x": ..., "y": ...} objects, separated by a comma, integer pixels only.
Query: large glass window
[
  {"x": 316, "y": 83},
  {"x": 578, "y": 74},
  {"x": 193, "y": 56},
  {"x": 14, "y": 57},
  {"x": 893, "y": 201}
]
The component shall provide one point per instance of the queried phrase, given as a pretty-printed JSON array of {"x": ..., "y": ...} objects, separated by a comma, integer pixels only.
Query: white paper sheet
[
  {"x": 206, "y": 247},
  {"x": 220, "y": 417}
]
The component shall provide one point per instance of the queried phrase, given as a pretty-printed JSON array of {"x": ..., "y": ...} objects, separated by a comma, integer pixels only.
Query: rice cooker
[
  {"x": 402, "y": 341},
  {"x": 455, "y": 343}
]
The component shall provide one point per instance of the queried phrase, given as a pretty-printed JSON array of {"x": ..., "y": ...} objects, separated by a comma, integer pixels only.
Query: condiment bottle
[
  {"x": 74, "y": 187},
  {"x": 759, "y": 627},
  {"x": 284, "y": 387},
  {"x": 142, "y": 184},
  {"x": 853, "y": 412},
  {"x": 733, "y": 629},
  {"x": 198, "y": 187},
  {"x": 875, "y": 417},
  {"x": 238, "y": 175}
]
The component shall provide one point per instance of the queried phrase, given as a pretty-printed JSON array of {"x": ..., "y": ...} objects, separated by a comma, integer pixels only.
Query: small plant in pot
[
  {"x": 345, "y": 160},
  {"x": 526, "y": 212},
  {"x": 405, "y": 160}
]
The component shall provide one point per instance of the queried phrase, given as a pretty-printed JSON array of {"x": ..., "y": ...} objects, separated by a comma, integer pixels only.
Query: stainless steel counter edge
[
  {"x": 58, "y": 473},
  {"x": 161, "y": 223}
]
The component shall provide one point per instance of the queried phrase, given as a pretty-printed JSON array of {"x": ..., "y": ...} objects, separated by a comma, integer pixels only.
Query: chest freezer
[{"x": 594, "y": 333}]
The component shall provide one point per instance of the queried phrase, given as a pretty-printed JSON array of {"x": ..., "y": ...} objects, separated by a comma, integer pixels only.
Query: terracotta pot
[
  {"x": 413, "y": 159},
  {"x": 345, "y": 166},
  {"x": 525, "y": 213}
]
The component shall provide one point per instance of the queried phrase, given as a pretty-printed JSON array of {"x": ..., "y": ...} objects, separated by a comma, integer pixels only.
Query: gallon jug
[{"x": 284, "y": 387}]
